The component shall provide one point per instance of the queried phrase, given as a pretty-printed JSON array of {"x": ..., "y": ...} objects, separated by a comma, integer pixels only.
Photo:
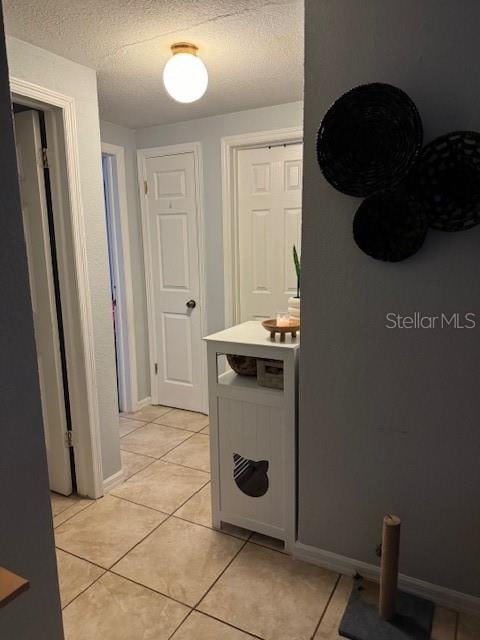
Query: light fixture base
[{"x": 184, "y": 47}]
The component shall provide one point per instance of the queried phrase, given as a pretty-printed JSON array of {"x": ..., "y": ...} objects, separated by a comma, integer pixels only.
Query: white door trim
[
  {"x": 127, "y": 363},
  {"x": 154, "y": 152},
  {"x": 86, "y": 437},
  {"x": 231, "y": 145}
]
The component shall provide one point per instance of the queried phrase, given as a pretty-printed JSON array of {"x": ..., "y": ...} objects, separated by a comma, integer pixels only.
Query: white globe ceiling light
[{"x": 185, "y": 76}]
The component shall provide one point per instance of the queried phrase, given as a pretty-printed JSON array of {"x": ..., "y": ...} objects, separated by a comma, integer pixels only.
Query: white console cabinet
[{"x": 253, "y": 432}]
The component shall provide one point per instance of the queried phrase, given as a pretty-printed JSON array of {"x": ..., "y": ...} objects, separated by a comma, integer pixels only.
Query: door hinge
[
  {"x": 156, "y": 368},
  {"x": 69, "y": 438},
  {"x": 44, "y": 158},
  {"x": 145, "y": 186}
]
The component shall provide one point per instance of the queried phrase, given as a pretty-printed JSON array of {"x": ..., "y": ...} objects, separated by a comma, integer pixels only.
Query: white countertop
[{"x": 253, "y": 333}]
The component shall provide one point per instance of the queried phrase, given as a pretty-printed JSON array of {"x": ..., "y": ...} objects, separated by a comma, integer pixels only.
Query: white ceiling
[{"x": 253, "y": 50}]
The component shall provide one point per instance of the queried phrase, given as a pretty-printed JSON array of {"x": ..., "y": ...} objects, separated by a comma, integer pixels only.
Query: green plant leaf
[{"x": 296, "y": 262}]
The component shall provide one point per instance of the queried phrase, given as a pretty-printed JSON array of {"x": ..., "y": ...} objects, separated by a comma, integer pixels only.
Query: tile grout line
[
  {"x": 70, "y": 553},
  {"x": 144, "y": 455},
  {"x": 161, "y": 424},
  {"x": 152, "y": 461},
  {"x": 195, "y": 607},
  {"x": 185, "y": 466},
  {"x": 229, "y": 624},
  {"x": 171, "y": 426},
  {"x": 105, "y": 571},
  {"x": 95, "y": 564},
  {"x": 164, "y": 461},
  {"x": 169, "y": 515},
  {"x": 138, "y": 504},
  {"x": 226, "y": 533},
  {"x": 168, "y": 426},
  {"x": 129, "y": 433},
  {"x": 54, "y": 515},
  {"x": 209, "y": 615},
  {"x": 198, "y": 524},
  {"x": 131, "y": 415},
  {"x": 127, "y": 552},
  {"x": 181, "y": 623},
  {"x": 192, "y": 433},
  {"x": 144, "y": 586},
  {"x": 221, "y": 573},
  {"x": 322, "y": 615},
  {"x": 87, "y": 506},
  {"x": 112, "y": 568},
  {"x": 138, "y": 584},
  {"x": 143, "y": 423}
]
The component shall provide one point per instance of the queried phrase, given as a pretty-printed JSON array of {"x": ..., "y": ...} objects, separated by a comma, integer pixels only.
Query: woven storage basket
[
  {"x": 369, "y": 139},
  {"x": 243, "y": 365},
  {"x": 447, "y": 181},
  {"x": 390, "y": 226}
]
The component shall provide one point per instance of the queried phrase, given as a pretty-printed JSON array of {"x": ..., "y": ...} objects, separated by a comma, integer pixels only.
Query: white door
[
  {"x": 37, "y": 238},
  {"x": 269, "y": 224},
  {"x": 172, "y": 235}
]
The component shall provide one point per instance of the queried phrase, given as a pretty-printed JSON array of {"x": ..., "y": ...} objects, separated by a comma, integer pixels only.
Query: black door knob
[{"x": 191, "y": 304}]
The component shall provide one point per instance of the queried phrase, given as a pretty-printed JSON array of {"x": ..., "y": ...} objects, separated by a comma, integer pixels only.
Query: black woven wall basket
[
  {"x": 369, "y": 139},
  {"x": 390, "y": 226},
  {"x": 447, "y": 181}
]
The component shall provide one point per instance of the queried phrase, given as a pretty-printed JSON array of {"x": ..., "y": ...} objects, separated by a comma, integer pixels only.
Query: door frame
[
  {"x": 122, "y": 267},
  {"x": 60, "y": 115},
  {"x": 142, "y": 156},
  {"x": 231, "y": 145}
]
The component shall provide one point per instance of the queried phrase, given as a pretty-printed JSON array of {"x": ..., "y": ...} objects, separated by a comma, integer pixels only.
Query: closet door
[
  {"x": 269, "y": 224},
  {"x": 37, "y": 239},
  {"x": 172, "y": 234}
]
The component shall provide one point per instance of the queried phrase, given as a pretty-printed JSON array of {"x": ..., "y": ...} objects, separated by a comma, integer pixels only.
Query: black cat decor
[{"x": 250, "y": 476}]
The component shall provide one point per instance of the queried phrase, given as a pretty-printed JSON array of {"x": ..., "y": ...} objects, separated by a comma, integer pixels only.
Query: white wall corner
[
  {"x": 113, "y": 481},
  {"x": 143, "y": 403}
]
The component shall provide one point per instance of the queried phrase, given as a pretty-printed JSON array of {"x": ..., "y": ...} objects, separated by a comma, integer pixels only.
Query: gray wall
[
  {"x": 389, "y": 419},
  {"x": 209, "y": 132},
  {"x": 26, "y": 533},
  {"x": 49, "y": 70},
  {"x": 122, "y": 137}
]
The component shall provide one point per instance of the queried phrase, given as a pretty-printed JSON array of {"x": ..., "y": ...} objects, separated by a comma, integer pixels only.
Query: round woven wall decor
[
  {"x": 390, "y": 226},
  {"x": 369, "y": 139},
  {"x": 447, "y": 181}
]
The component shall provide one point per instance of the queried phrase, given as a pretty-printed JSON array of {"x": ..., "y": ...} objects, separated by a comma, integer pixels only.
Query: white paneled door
[
  {"x": 173, "y": 250},
  {"x": 269, "y": 224},
  {"x": 37, "y": 239}
]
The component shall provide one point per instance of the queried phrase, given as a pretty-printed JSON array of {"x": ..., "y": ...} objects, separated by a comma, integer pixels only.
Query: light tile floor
[{"x": 144, "y": 563}]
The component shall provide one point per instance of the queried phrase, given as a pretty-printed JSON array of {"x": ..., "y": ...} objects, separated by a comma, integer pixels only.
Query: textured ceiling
[{"x": 253, "y": 50}]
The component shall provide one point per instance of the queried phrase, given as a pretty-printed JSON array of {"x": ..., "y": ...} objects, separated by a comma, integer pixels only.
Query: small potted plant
[{"x": 294, "y": 301}]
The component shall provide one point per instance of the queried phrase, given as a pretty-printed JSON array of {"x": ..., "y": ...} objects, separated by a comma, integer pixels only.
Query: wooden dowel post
[{"x": 389, "y": 566}]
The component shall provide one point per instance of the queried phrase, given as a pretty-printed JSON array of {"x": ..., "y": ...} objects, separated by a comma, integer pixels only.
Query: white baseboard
[
  {"x": 341, "y": 564},
  {"x": 143, "y": 403},
  {"x": 112, "y": 481}
]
